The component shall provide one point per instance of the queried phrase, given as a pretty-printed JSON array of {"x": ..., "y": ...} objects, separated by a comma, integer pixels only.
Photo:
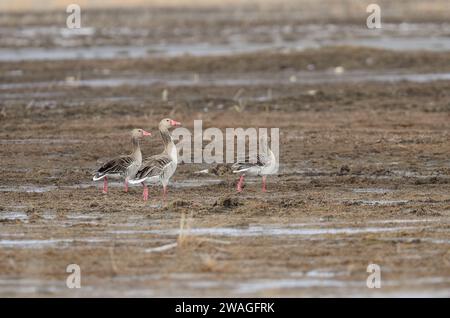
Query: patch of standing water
[
  {"x": 256, "y": 79},
  {"x": 268, "y": 230},
  {"x": 38, "y": 141},
  {"x": 21, "y": 286},
  {"x": 84, "y": 216},
  {"x": 235, "y": 46},
  {"x": 326, "y": 282},
  {"x": 34, "y": 243},
  {"x": 263, "y": 285},
  {"x": 318, "y": 273},
  {"x": 403, "y": 221},
  {"x": 11, "y": 216},
  {"x": 28, "y": 188},
  {"x": 372, "y": 190},
  {"x": 54, "y": 242},
  {"x": 403, "y": 44},
  {"x": 392, "y": 221}
]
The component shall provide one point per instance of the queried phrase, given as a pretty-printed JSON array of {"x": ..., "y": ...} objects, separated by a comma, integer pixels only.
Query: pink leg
[
  {"x": 264, "y": 184},
  {"x": 164, "y": 193},
  {"x": 145, "y": 193},
  {"x": 126, "y": 184},
  {"x": 240, "y": 183},
  {"x": 105, "y": 185}
]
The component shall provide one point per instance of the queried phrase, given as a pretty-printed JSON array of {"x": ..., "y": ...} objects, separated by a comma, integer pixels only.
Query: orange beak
[{"x": 146, "y": 133}]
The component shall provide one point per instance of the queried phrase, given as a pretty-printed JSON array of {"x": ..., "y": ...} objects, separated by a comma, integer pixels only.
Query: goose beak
[
  {"x": 146, "y": 133},
  {"x": 174, "y": 123}
]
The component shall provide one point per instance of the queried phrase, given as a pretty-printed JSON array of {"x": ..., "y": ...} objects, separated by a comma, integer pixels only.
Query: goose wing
[
  {"x": 153, "y": 166},
  {"x": 115, "y": 166},
  {"x": 245, "y": 164}
]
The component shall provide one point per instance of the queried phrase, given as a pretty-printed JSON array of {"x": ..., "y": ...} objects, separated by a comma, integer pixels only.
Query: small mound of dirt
[
  {"x": 344, "y": 170},
  {"x": 180, "y": 203},
  {"x": 430, "y": 180},
  {"x": 226, "y": 202},
  {"x": 221, "y": 170},
  {"x": 93, "y": 204}
]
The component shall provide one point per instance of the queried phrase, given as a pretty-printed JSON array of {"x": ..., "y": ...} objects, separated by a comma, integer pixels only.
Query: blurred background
[
  {"x": 216, "y": 26},
  {"x": 175, "y": 27}
]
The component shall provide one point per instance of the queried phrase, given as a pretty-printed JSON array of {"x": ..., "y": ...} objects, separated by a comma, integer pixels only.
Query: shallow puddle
[
  {"x": 32, "y": 141},
  {"x": 28, "y": 188},
  {"x": 12, "y": 216},
  {"x": 265, "y": 285},
  {"x": 256, "y": 79},
  {"x": 404, "y": 36},
  {"x": 27, "y": 286},
  {"x": 34, "y": 243},
  {"x": 59, "y": 242},
  {"x": 403, "y": 221},
  {"x": 318, "y": 273},
  {"x": 268, "y": 230},
  {"x": 372, "y": 190}
]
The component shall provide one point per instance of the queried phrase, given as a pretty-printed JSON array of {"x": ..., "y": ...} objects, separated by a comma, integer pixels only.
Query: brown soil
[{"x": 364, "y": 179}]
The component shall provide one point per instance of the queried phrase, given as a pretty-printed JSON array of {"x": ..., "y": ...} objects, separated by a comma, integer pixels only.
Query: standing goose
[
  {"x": 265, "y": 164},
  {"x": 159, "y": 168},
  {"x": 123, "y": 166}
]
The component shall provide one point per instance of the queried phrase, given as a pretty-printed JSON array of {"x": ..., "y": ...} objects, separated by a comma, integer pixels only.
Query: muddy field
[{"x": 364, "y": 176}]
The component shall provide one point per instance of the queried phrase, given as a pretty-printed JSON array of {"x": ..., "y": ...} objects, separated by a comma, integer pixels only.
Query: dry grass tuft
[
  {"x": 185, "y": 226},
  {"x": 209, "y": 263}
]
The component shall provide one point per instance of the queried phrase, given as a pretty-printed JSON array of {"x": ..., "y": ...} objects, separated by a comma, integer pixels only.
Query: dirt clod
[{"x": 227, "y": 202}]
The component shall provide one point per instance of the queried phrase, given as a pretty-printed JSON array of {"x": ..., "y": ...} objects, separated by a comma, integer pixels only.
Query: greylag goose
[
  {"x": 265, "y": 164},
  {"x": 123, "y": 166},
  {"x": 159, "y": 168}
]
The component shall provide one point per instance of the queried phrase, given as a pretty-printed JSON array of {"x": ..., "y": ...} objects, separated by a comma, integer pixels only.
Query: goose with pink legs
[
  {"x": 265, "y": 165},
  {"x": 123, "y": 166},
  {"x": 159, "y": 168}
]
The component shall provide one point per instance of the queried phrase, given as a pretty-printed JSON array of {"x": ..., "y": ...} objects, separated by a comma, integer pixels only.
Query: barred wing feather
[
  {"x": 153, "y": 166},
  {"x": 115, "y": 166}
]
